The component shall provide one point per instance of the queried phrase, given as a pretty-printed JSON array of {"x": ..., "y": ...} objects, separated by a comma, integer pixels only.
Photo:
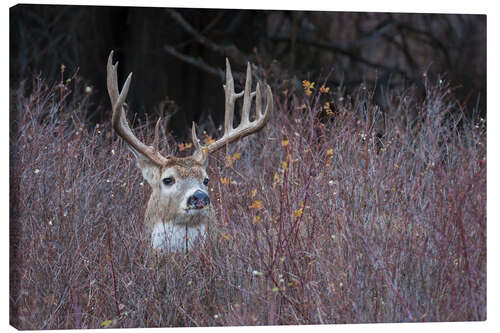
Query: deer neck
[{"x": 176, "y": 237}]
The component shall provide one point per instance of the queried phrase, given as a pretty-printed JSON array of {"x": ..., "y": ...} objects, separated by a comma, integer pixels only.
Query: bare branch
[
  {"x": 195, "y": 62},
  {"x": 337, "y": 49},
  {"x": 226, "y": 50}
]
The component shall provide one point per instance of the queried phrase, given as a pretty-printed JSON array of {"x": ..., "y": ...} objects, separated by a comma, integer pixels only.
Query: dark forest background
[{"x": 177, "y": 55}]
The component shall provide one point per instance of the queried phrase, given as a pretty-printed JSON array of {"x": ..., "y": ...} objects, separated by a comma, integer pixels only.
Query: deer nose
[{"x": 198, "y": 200}]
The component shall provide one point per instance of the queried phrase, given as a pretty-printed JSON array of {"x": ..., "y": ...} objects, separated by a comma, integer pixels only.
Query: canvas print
[{"x": 186, "y": 167}]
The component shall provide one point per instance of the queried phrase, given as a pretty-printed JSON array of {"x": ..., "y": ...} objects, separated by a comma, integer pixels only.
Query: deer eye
[
  {"x": 205, "y": 181},
  {"x": 168, "y": 181}
]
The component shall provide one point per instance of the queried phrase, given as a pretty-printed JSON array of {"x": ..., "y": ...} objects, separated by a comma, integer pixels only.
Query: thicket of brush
[{"x": 333, "y": 213}]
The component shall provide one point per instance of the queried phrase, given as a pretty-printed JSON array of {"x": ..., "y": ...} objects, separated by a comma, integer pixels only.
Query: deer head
[{"x": 179, "y": 210}]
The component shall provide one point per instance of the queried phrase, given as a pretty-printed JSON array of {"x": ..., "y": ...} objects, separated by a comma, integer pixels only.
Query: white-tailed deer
[{"x": 179, "y": 210}]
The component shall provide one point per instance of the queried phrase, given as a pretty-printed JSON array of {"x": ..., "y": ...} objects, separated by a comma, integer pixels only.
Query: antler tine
[
  {"x": 247, "y": 97},
  {"x": 119, "y": 120},
  {"x": 200, "y": 153},
  {"x": 112, "y": 81},
  {"x": 246, "y": 127},
  {"x": 156, "y": 138},
  {"x": 231, "y": 97},
  {"x": 196, "y": 142},
  {"x": 261, "y": 118},
  {"x": 228, "y": 92}
]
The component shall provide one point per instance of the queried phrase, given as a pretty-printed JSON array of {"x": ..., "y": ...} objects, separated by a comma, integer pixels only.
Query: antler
[
  {"x": 119, "y": 119},
  {"x": 246, "y": 127}
]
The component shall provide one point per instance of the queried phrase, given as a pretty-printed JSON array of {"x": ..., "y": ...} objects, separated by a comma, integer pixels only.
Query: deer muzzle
[{"x": 198, "y": 200}]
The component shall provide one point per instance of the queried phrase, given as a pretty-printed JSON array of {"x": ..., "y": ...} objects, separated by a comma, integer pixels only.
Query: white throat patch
[{"x": 174, "y": 237}]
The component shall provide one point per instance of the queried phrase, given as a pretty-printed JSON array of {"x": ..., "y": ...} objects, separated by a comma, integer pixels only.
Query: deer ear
[{"x": 150, "y": 171}]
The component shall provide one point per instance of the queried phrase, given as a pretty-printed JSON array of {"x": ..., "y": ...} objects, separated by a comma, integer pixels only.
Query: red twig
[
  {"x": 113, "y": 274},
  {"x": 61, "y": 148}
]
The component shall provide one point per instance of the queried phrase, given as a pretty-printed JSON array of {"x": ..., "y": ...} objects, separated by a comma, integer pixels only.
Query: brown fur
[{"x": 185, "y": 166}]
